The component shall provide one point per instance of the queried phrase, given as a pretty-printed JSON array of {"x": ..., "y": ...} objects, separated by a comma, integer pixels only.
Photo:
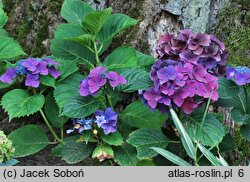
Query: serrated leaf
[
  {"x": 48, "y": 81},
  {"x": 138, "y": 115},
  {"x": 68, "y": 50},
  {"x": 185, "y": 138},
  {"x": 144, "y": 60},
  {"x": 171, "y": 156},
  {"x": 120, "y": 58},
  {"x": 9, "y": 49},
  {"x": 75, "y": 10},
  {"x": 52, "y": 112},
  {"x": 86, "y": 40},
  {"x": 125, "y": 155},
  {"x": 74, "y": 152},
  {"x": 113, "y": 138},
  {"x": 3, "y": 33},
  {"x": 137, "y": 79},
  {"x": 145, "y": 138},
  {"x": 245, "y": 131},
  {"x": 115, "y": 24},
  {"x": 240, "y": 117},
  {"x": 210, "y": 134},
  {"x": 94, "y": 21},
  {"x": 19, "y": 103},
  {"x": 3, "y": 18},
  {"x": 28, "y": 140},
  {"x": 227, "y": 144}
]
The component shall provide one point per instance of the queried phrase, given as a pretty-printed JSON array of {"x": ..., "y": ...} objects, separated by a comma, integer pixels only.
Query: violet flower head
[
  {"x": 115, "y": 79},
  {"x": 9, "y": 76},
  {"x": 32, "y": 80},
  {"x": 81, "y": 125},
  {"x": 107, "y": 120},
  {"x": 20, "y": 69},
  {"x": 41, "y": 68},
  {"x": 31, "y": 64},
  {"x": 240, "y": 75}
]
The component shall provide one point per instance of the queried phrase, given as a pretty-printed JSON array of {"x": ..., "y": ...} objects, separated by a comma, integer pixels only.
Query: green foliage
[
  {"x": 18, "y": 103},
  {"x": 6, "y": 149},
  {"x": 28, "y": 140},
  {"x": 3, "y": 17},
  {"x": 113, "y": 139},
  {"x": 125, "y": 155},
  {"x": 140, "y": 116},
  {"x": 145, "y": 138},
  {"x": 103, "y": 152}
]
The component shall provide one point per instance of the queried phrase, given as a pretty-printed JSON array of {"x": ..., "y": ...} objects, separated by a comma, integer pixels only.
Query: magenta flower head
[
  {"x": 97, "y": 78},
  {"x": 178, "y": 85},
  {"x": 240, "y": 75},
  {"x": 9, "y": 76},
  {"x": 32, "y": 81},
  {"x": 107, "y": 120},
  {"x": 198, "y": 48}
]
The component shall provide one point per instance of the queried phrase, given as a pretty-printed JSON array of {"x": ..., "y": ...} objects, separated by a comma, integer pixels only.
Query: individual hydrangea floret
[
  {"x": 6, "y": 149},
  {"x": 97, "y": 78},
  {"x": 32, "y": 68},
  {"x": 107, "y": 120},
  {"x": 241, "y": 75},
  {"x": 180, "y": 84},
  {"x": 198, "y": 48},
  {"x": 81, "y": 125}
]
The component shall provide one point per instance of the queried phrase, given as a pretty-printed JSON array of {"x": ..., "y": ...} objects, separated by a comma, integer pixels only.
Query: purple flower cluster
[
  {"x": 198, "y": 48},
  {"x": 241, "y": 75},
  {"x": 81, "y": 125},
  {"x": 180, "y": 84},
  {"x": 32, "y": 68},
  {"x": 97, "y": 78},
  {"x": 107, "y": 120}
]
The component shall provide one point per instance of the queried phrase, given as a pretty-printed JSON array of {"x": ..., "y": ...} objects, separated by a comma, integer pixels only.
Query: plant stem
[
  {"x": 50, "y": 127},
  {"x": 245, "y": 90},
  {"x": 62, "y": 134},
  {"x": 242, "y": 104},
  {"x": 109, "y": 103},
  {"x": 96, "y": 54}
]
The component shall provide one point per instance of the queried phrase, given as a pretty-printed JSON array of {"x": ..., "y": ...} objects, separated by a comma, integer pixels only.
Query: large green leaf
[
  {"x": 9, "y": 49},
  {"x": 125, "y": 155},
  {"x": 245, "y": 131},
  {"x": 48, "y": 81},
  {"x": 94, "y": 21},
  {"x": 18, "y": 103},
  {"x": 185, "y": 138},
  {"x": 144, "y": 60},
  {"x": 115, "y": 24},
  {"x": 75, "y": 10},
  {"x": 210, "y": 134},
  {"x": 52, "y": 112},
  {"x": 140, "y": 116},
  {"x": 74, "y": 152},
  {"x": 69, "y": 50},
  {"x": 86, "y": 40},
  {"x": 3, "y": 33},
  {"x": 239, "y": 116},
  {"x": 120, "y": 58},
  {"x": 137, "y": 79},
  {"x": 171, "y": 156},
  {"x": 28, "y": 140},
  {"x": 3, "y": 18},
  {"x": 113, "y": 138},
  {"x": 145, "y": 138}
]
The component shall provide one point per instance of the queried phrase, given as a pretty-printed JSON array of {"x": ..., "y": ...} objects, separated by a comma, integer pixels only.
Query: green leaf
[
  {"x": 115, "y": 24},
  {"x": 209, "y": 155},
  {"x": 94, "y": 21},
  {"x": 9, "y": 49},
  {"x": 66, "y": 68},
  {"x": 125, "y": 155},
  {"x": 144, "y": 60},
  {"x": 3, "y": 18},
  {"x": 103, "y": 152},
  {"x": 146, "y": 162},
  {"x": 48, "y": 81},
  {"x": 245, "y": 131},
  {"x": 86, "y": 40},
  {"x": 145, "y": 138},
  {"x": 3, "y": 33},
  {"x": 19, "y": 103},
  {"x": 68, "y": 50},
  {"x": 113, "y": 138},
  {"x": 210, "y": 134},
  {"x": 75, "y": 10},
  {"x": 171, "y": 156},
  {"x": 239, "y": 116},
  {"x": 11, "y": 162},
  {"x": 87, "y": 137},
  {"x": 137, "y": 79},
  {"x": 52, "y": 112},
  {"x": 120, "y": 58},
  {"x": 74, "y": 152},
  {"x": 185, "y": 138},
  {"x": 28, "y": 140},
  {"x": 138, "y": 115},
  {"x": 227, "y": 144}
]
